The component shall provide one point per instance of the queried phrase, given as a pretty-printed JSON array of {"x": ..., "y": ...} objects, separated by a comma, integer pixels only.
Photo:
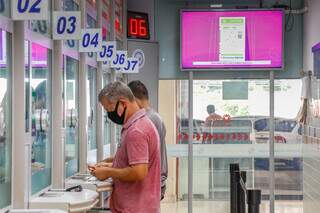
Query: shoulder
[{"x": 154, "y": 116}]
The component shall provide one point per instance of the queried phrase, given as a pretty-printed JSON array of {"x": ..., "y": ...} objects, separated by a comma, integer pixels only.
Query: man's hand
[
  {"x": 103, "y": 164},
  {"x": 91, "y": 168},
  {"x": 101, "y": 173}
]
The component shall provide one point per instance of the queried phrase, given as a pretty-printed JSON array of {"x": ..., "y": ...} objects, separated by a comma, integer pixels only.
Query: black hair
[
  {"x": 139, "y": 90},
  {"x": 211, "y": 109}
]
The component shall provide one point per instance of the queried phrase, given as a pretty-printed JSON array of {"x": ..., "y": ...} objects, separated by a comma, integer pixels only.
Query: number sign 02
[{"x": 29, "y": 9}]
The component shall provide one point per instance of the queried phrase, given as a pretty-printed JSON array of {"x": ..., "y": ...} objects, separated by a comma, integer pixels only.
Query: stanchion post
[
  {"x": 242, "y": 193},
  {"x": 254, "y": 200},
  {"x": 234, "y": 181}
]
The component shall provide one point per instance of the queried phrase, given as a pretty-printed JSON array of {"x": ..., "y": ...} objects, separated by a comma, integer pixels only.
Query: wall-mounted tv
[{"x": 232, "y": 39}]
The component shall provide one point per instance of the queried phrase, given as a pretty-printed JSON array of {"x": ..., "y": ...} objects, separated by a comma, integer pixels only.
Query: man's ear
[{"x": 123, "y": 104}]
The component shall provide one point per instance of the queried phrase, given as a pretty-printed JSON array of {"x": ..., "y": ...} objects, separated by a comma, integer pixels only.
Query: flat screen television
[{"x": 232, "y": 39}]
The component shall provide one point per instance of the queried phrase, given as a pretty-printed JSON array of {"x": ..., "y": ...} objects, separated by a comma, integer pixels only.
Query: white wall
[
  {"x": 311, "y": 32},
  {"x": 144, "y": 6}
]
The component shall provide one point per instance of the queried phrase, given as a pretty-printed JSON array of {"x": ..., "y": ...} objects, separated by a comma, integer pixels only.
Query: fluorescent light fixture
[{"x": 216, "y": 5}]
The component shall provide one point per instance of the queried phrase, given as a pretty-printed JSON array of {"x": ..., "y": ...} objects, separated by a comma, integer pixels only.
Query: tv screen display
[{"x": 232, "y": 39}]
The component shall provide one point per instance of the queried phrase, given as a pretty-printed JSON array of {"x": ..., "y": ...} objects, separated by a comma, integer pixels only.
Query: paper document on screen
[{"x": 232, "y": 39}]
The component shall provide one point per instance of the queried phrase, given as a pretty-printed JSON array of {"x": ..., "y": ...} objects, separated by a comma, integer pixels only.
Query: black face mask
[{"x": 114, "y": 117}]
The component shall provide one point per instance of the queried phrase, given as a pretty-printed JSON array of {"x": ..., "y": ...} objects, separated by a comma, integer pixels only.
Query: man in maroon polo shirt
[{"x": 135, "y": 168}]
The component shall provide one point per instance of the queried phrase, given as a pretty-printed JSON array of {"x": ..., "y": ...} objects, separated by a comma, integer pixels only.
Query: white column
[
  {"x": 113, "y": 130},
  {"x": 83, "y": 120},
  {"x": 58, "y": 157},
  {"x": 19, "y": 161},
  {"x": 100, "y": 120},
  {"x": 271, "y": 145}
]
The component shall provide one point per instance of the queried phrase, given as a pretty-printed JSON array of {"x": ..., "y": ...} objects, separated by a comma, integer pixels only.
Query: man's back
[
  {"x": 157, "y": 121},
  {"x": 139, "y": 145}
]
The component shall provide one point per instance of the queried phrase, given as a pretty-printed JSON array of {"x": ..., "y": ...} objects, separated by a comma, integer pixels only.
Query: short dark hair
[
  {"x": 114, "y": 90},
  {"x": 211, "y": 109},
  {"x": 139, "y": 90}
]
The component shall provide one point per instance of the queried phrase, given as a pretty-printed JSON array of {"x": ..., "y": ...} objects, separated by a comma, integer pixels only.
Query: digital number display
[{"x": 138, "y": 25}]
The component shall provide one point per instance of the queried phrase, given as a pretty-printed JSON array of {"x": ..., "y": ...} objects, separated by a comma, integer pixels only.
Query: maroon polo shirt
[{"x": 139, "y": 145}]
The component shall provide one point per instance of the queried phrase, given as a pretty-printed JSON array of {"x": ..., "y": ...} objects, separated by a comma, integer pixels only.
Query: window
[
  {"x": 40, "y": 117},
  {"x": 5, "y": 8},
  {"x": 106, "y": 19},
  {"x": 242, "y": 128},
  {"x": 91, "y": 23},
  {"x": 5, "y": 123},
  {"x": 119, "y": 14},
  {"x": 70, "y": 5},
  {"x": 107, "y": 122},
  {"x": 42, "y": 26},
  {"x": 91, "y": 113},
  {"x": 71, "y": 103}
]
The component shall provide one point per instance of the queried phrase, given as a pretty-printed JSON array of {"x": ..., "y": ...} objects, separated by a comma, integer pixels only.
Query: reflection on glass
[
  {"x": 106, "y": 19},
  {"x": 5, "y": 7},
  {"x": 119, "y": 19},
  {"x": 107, "y": 123},
  {"x": 241, "y": 124},
  {"x": 40, "y": 119},
  {"x": 42, "y": 26},
  {"x": 71, "y": 5},
  {"x": 91, "y": 23},
  {"x": 71, "y": 116},
  {"x": 27, "y": 86},
  {"x": 91, "y": 112},
  {"x": 5, "y": 125}
]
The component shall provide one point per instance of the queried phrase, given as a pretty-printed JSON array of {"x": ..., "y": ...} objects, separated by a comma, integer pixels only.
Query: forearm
[
  {"x": 127, "y": 174},
  {"x": 108, "y": 160}
]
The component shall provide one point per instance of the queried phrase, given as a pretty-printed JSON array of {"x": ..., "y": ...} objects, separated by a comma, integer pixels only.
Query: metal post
[
  {"x": 234, "y": 180},
  {"x": 83, "y": 130},
  {"x": 190, "y": 145},
  {"x": 58, "y": 156},
  {"x": 18, "y": 116},
  {"x": 242, "y": 193},
  {"x": 271, "y": 144},
  {"x": 254, "y": 200},
  {"x": 100, "y": 120}
]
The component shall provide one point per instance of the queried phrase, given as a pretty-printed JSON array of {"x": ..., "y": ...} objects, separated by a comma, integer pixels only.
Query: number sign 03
[{"x": 66, "y": 25}]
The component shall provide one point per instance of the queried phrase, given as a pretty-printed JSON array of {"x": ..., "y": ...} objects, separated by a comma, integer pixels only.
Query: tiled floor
[{"x": 223, "y": 207}]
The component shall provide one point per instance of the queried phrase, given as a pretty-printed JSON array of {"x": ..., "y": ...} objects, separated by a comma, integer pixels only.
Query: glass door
[
  {"x": 5, "y": 123},
  {"x": 40, "y": 117},
  {"x": 71, "y": 104}
]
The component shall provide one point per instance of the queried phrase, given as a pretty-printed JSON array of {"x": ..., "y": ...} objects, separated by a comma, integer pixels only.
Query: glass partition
[
  {"x": 40, "y": 117},
  {"x": 71, "y": 105},
  {"x": 107, "y": 122},
  {"x": 5, "y": 8},
  {"x": 5, "y": 122},
  {"x": 231, "y": 125},
  {"x": 43, "y": 26},
  {"x": 71, "y": 5},
  {"x": 91, "y": 113}
]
